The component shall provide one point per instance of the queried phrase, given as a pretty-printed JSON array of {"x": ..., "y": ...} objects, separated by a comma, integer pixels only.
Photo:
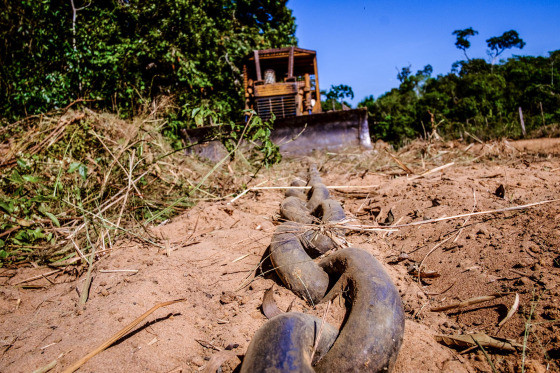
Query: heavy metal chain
[{"x": 372, "y": 332}]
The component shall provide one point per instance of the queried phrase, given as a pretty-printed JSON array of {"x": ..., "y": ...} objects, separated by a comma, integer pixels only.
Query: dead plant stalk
[{"x": 120, "y": 334}]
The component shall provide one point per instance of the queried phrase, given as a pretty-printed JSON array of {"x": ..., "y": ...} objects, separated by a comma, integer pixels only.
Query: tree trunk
[{"x": 522, "y": 122}]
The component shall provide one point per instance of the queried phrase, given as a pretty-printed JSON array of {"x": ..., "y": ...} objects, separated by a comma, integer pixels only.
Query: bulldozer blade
[
  {"x": 299, "y": 135},
  {"x": 325, "y": 131}
]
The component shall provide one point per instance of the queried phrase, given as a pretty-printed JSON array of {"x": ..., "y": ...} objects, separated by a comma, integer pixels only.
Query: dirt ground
[{"x": 213, "y": 250}]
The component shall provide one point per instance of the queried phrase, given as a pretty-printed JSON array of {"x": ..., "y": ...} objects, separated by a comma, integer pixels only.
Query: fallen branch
[
  {"x": 429, "y": 252},
  {"x": 118, "y": 271},
  {"x": 46, "y": 368},
  {"x": 511, "y": 311},
  {"x": 401, "y": 164},
  {"x": 8, "y": 231},
  {"x": 468, "y": 340}
]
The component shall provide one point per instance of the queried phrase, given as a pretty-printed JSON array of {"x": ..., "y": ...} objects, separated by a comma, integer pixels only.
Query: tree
[
  {"x": 338, "y": 92},
  {"x": 462, "y": 42},
  {"x": 498, "y": 44},
  {"x": 404, "y": 73}
]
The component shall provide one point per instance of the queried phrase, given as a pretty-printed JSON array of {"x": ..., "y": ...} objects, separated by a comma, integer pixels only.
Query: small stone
[
  {"x": 403, "y": 256},
  {"x": 265, "y": 225},
  {"x": 482, "y": 232},
  {"x": 104, "y": 292}
]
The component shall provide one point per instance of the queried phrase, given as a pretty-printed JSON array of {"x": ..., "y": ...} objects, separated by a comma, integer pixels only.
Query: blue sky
[{"x": 361, "y": 43}]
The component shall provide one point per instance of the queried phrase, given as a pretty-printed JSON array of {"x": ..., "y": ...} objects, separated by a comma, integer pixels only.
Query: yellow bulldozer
[{"x": 283, "y": 84}]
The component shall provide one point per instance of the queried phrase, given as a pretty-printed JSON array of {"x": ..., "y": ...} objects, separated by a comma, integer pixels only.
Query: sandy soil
[{"x": 213, "y": 251}]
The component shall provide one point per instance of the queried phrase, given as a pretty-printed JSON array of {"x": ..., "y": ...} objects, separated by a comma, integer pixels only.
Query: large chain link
[{"x": 372, "y": 332}]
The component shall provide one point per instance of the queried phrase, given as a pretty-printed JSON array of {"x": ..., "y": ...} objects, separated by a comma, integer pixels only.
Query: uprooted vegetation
[{"x": 77, "y": 180}]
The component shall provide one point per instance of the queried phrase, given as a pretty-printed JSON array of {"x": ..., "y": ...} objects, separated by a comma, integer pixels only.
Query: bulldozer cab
[{"x": 283, "y": 82}]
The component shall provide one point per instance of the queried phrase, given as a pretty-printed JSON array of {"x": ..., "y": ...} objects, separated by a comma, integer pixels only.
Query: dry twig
[
  {"x": 123, "y": 332},
  {"x": 469, "y": 302}
]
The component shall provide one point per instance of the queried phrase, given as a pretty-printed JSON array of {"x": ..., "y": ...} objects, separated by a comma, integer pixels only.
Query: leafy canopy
[
  {"x": 463, "y": 42},
  {"x": 124, "y": 55},
  {"x": 498, "y": 44}
]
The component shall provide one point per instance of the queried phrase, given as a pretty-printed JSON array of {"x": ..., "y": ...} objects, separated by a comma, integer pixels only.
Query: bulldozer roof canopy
[{"x": 277, "y": 59}]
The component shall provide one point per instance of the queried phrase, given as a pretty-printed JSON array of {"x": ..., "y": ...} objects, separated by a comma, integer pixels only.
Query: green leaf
[
  {"x": 82, "y": 170},
  {"x": 37, "y": 234},
  {"x": 53, "y": 218},
  {"x": 30, "y": 178},
  {"x": 16, "y": 177},
  {"x": 41, "y": 198},
  {"x": 21, "y": 163},
  {"x": 8, "y": 207},
  {"x": 73, "y": 167}
]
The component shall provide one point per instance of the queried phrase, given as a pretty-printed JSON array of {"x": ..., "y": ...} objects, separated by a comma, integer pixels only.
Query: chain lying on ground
[{"x": 372, "y": 333}]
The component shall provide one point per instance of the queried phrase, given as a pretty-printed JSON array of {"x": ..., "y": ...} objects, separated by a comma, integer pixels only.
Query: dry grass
[{"x": 81, "y": 180}]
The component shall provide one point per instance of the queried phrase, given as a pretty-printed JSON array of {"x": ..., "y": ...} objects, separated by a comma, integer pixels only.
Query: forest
[
  {"x": 127, "y": 56},
  {"x": 477, "y": 99}
]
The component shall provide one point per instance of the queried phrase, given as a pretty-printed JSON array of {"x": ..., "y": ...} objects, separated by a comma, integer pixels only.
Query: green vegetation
[
  {"x": 334, "y": 97},
  {"x": 73, "y": 182},
  {"x": 123, "y": 55},
  {"x": 477, "y": 99}
]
